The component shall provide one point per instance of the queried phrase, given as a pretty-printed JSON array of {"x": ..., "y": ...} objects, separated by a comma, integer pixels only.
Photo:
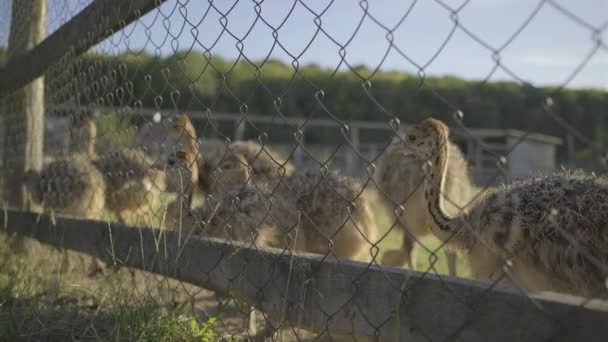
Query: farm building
[{"x": 525, "y": 154}]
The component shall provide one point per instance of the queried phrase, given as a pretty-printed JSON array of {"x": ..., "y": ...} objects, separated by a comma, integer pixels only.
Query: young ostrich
[
  {"x": 309, "y": 210},
  {"x": 133, "y": 186},
  {"x": 68, "y": 186},
  {"x": 182, "y": 175},
  {"x": 400, "y": 178},
  {"x": 133, "y": 183},
  {"x": 71, "y": 187},
  {"x": 552, "y": 229}
]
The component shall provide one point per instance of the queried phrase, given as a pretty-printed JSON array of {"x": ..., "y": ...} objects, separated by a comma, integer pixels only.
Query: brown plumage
[
  {"x": 333, "y": 208},
  {"x": 71, "y": 186},
  {"x": 308, "y": 211},
  {"x": 311, "y": 211},
  {"x": 83, "y": 138},
  {"x": 153, "y": 138},
  {"x": 133, "y": 182},
  {"x": 400, "y": 180},
  {"x": 552, "y": 229},
  {"x": 244, "y": 162}
]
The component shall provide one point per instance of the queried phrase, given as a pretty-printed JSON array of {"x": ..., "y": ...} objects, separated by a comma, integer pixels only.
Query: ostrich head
[
  {"x": 181, "y": 171},
  {"x": 180, "y": 126},
  {"x": 427, "y": 137},
  {"x": 232, "y": 172}
]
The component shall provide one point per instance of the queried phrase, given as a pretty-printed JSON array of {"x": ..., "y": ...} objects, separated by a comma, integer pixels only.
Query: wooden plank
[
  {"x": 329, "y": 295},
  {"x": 93, "y": 24}
]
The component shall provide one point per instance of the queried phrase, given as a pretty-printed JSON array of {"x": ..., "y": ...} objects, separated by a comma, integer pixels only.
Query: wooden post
[{"x": 24, "y": 116}]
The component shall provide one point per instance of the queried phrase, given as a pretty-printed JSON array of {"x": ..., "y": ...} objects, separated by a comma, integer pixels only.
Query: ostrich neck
[
  {"x": 91, "y": 146},
  {"x": 189, "y": 140},
  {"x": 434, "y": 188}
]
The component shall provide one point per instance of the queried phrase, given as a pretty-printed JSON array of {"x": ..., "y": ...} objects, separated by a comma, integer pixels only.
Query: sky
[{"x": 547, "y": 51}]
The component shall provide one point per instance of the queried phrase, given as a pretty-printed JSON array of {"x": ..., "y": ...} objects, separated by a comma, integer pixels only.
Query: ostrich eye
[{"x": 171, "y": 162}]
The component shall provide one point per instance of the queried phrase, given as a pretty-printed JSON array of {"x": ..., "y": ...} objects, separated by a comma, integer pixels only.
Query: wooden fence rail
[{"x": 332, "y": 295}]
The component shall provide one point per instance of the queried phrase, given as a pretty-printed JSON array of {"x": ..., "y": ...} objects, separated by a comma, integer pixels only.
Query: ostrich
[
  {"x": 155, "y": 139},
  {"x": 310, "y": 211},
  {"x": 132, "y": 186},
  {"x": 552, "y": 229},
  {"x": 133, "y": 183},
  {"x": 334, "y": 210},
  {"x": 311, "y": 208},
  {"x": 182, "y": 174},
  {"x": 400, "y": 179},
  {"x": 182, "y": 131},
  {"x": 72, "y": 187}
]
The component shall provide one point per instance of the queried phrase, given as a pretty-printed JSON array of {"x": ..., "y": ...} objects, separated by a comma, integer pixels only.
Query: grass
[
  {"x": 428, "y": 249},
  {"x": 39, "y": 302}
]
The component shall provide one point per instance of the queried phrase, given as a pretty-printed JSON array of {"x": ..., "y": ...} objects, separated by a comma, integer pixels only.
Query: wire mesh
[{"x": 290, "y": 125}]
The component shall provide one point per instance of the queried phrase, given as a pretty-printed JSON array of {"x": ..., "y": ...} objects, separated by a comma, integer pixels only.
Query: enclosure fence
[{"x": 196, "y": 145}]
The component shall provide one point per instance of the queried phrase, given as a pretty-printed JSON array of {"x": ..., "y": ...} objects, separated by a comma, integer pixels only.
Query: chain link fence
[{"x": 244, "y": 170}]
